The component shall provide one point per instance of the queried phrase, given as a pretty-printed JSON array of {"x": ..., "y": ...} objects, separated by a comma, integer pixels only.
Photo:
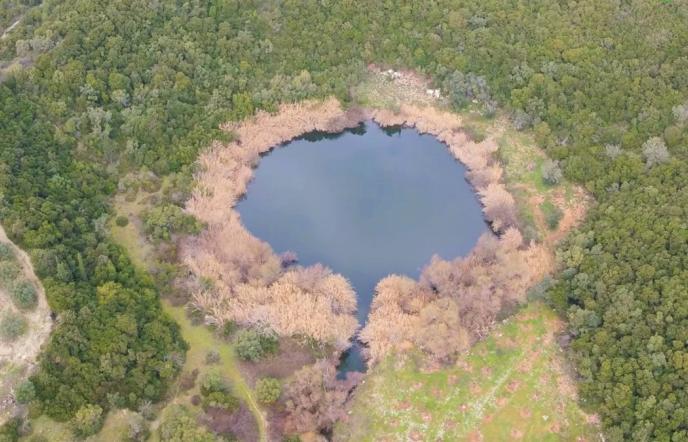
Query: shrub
[
  {"x": 220, "y": 399},
  {"x": 252, "y": 345},
  {"x": 212, "y": 382},
  {"x": 612, "y": 150},
  {"x": 680, "y": 113},
  {"x": 228, "y": 329},
  {"x": 440, "y": 332},
  {"x": 179, "y": 425},
  {"x": 268, "y": 390},
  {"x": 115, "y": 400},
  {"x": 212, "y": 357},
  {"x": 461, "y": 88},
  {"x": 539, "y": 291},
  {"x": 551, "y": 172},
  {"x": 216, "y": 393},
  {"x": 10, "y": 431},
  {"x": 87, "y": 421},
  {"x": 24, "y": 295},
  {"x": 122, "y": 221},
  {"x": 161, "y": 222},
  {"x": 12, "y": 326},
  {"x": 673, "y": 135},
  {"x": 499, "y": 207},
  {"x": 552, "y": 214},
  {"x": 25, "y": 392},
  {"x": 6, "y": 252},
  {"x": 9, "y": 271},
  {"x": 137, "y": 428},
  {"x": 315, "y": 398},
  {"x": 474, "y": 133},
  {"x": 146, "y": 409},
  {"x": 187, "y": 380}
]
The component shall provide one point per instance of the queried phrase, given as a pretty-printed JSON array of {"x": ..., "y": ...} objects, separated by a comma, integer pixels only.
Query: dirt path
[
  {"x": 27, "y": 348},
  {"x": 9, "y": 29},
  {"x": 17, "y": 359},
  {"x": 200, "y": 339}
]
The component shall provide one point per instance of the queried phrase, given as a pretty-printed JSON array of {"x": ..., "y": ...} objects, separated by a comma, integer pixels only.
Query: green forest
[{"x": 93, "y": 90}]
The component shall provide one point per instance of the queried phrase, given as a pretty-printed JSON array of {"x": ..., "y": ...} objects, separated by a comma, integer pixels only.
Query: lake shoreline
[{"x": 227, "y": 169}]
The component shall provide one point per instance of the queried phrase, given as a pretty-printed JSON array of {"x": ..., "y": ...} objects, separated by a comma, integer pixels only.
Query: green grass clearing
[
  {"x": 201, "y": 340},
  {"x": 510, "y": 386}
]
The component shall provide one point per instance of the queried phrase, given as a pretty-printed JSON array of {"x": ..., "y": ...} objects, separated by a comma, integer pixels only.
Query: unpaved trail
[
  {"x": 18, "y": 358},
  {"x": 25, "y": 349},
  {"x": 9, "y": 29}
]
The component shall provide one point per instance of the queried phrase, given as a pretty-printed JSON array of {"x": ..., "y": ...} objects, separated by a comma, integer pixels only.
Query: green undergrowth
[
  {"x": 201, "y": 340},
  {"x": 511, "y": 386}
]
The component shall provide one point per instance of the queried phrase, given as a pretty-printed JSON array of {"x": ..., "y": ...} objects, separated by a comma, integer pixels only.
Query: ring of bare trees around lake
[{"x": 239, "y": 279}]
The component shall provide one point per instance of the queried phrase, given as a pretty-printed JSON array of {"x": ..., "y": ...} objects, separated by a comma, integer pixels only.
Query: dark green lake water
[{"x": 367, "y": 203}]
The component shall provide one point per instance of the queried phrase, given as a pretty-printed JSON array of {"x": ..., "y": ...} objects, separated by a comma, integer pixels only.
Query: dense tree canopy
[
  {"x": 118, "y": 85},
  {"x": 626, "y": 275}
]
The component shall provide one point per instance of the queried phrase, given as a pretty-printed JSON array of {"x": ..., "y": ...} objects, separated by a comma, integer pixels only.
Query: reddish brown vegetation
[
  {"x": 240, "y": 423},
  {"x": 315, "y": 398},
  {"x": 292, "y": 356},
  {"x": 250, "y": 284},
  {"x": 454, "y": 303}
]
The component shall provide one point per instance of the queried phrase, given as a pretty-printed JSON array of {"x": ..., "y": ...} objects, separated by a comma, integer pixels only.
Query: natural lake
[{"x": 367, "y": 203}]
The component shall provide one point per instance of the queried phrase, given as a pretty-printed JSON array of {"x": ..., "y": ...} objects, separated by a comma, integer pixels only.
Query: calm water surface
[{"x": 367, "y": 203}]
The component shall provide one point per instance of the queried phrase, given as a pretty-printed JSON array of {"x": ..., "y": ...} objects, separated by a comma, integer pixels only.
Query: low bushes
[
  {"x": 12, "y": 326},
  {"x": 552, "y": 214},
  {"x": 179, "y": 424},
  {"x": 9, "y": 271},
  {"x": 22, "y": 292},
  {"x": 24, "y": 295},
  {"x": 268, "y": 390},
  {"x": 87, "y": 421},
  {"x": 6, "y": 252},
  {"x": 122, "y": 221},
  {"x": 216, "y": 393},
  {"x": 162, "y": 221},
  {"x": 25, "y": 392},
  {"x": 253, "y": 344}
]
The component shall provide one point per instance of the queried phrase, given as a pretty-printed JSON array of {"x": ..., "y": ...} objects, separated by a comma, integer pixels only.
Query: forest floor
[{"x": 512, "y": 386}]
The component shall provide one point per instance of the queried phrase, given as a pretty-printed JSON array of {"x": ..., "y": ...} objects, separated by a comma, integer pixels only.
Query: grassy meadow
[{"x": 514, "y": 385}]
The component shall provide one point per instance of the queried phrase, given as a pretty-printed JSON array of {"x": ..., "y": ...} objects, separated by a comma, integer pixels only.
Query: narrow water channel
[{"x": 367, "y": 203}]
